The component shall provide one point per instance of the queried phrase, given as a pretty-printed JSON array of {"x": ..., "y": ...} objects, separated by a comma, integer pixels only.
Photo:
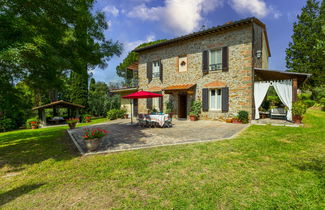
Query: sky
[{"x": 132, "y": 22}]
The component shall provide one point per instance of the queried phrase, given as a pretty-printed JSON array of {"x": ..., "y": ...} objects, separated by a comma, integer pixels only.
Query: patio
[{"x": 123, "y": 136}]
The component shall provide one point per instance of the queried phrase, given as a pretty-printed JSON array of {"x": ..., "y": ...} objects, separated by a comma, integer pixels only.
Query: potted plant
[
  {"x": 92, "y": 138},
  {"x": 298, "y": 109},
  {"x": 236, "y": 120},
  {"x": 87, "y": 118},
  {"x": 243, "y": 116},
  {"x": 72, "y": 122},
  {"x": 33, "y": 123},
  {"x": 170, "y": 108},
  {"x": 195, "y": 110}
]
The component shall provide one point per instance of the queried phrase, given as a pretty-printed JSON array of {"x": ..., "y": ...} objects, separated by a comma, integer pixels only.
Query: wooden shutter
[
  {"x": 225, "y": 59},
  {"x": 161, "y": 70},
  {"x": 149, "y": 103},
  {"x": 205, "y": 62},
  {"x": 225, "y": 99},
  {"x": 149, "y": 71},
  {"x": 161, "y": 104},
  {"x": 205, "y": 99}
]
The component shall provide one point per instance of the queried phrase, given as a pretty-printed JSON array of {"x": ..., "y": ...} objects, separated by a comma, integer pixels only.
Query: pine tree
[{"x": 301, "y": 54}]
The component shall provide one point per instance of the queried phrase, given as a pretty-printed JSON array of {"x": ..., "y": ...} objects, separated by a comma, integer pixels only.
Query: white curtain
[
  {"x": 284, "y": 91},
  {"x": 260, "y": 90}
]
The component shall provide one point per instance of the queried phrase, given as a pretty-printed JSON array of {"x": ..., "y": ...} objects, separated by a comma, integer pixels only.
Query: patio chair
[
  {"x": 142, "y": 120},
  {"x": 168, "y": 122},
  {"x": 278, "y": 113}
]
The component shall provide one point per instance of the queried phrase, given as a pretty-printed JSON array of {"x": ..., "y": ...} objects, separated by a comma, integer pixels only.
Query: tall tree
[
  {"x": 79, "y": 88},
  {"x": 301, "y": 54}
]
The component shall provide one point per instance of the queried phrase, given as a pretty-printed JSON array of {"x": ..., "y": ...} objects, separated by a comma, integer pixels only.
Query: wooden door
[{"x": 182, "y": 106}]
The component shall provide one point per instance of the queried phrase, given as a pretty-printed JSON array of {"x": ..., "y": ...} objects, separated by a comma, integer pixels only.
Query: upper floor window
[
  {"x": 182, "y": 63},
  {"x": 215, "y": 99},
  {"x": 215, "y": 60},
  {"x": 156, "y": 69}
]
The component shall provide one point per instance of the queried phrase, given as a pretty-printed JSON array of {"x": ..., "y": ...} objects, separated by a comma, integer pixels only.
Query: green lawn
[{"x": 265, "y": 167}]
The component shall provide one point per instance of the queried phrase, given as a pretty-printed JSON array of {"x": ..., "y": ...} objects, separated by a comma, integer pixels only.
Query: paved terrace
[{"x": 123, "y": 136}]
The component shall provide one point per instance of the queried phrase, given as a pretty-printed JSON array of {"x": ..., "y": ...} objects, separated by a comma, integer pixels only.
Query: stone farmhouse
[{"x": 217, "y": 66}]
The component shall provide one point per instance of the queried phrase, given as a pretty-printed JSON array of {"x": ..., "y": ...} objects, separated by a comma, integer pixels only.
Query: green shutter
[{"x": 205, "y": 99}]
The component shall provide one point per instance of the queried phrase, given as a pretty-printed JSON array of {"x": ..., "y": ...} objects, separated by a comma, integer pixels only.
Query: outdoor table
[{"x": 159, "y": 118}]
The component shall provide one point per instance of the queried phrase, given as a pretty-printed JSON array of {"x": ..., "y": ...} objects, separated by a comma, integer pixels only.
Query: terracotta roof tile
[
  {"x": 133, "y": 66},
  {"x": 215, "y": 84},
  {"x": 154, "y": 89},
  {"x": 179, "y": 87}
]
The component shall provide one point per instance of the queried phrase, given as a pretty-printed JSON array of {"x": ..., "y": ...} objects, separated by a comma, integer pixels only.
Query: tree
[
  {"x": 132, "y": 57},
  {"x": 301, "y": 54},
  {"x": 79, "y": 88},
  {"x": 98, "y": 98}
]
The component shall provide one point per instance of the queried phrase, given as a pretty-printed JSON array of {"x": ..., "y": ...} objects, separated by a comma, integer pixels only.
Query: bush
[
  {"x": 322, "y": 102},
  {"x": 113, "y": 114},
  {"x": 86, "y": 117},
  {"x": 243, "y": 116},
  {"x": 318, "y": 93},
  {"x": 29, "y": 122},
  {"x": 309, "y": 103},
  {"x": 299, "y": 108},
  {"x": 7, "y": 124},
  {"x": 196, "y": 108},
  {"x": 305, "y": 96}
]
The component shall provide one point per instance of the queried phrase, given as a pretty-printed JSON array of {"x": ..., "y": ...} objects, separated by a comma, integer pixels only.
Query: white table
[{"x": 160, "y": 119}]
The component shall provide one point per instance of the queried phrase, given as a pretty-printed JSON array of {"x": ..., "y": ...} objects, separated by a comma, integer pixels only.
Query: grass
[{"x": 265, "y": 167}]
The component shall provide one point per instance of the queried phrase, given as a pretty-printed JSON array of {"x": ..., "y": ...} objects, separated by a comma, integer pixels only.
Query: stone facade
[{"x": 239, "y": 78}]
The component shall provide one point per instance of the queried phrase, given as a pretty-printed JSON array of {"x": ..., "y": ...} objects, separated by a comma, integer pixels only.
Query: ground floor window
[
  {"x": 155, "y": 104},
  {"x": 215, "y": 99}
]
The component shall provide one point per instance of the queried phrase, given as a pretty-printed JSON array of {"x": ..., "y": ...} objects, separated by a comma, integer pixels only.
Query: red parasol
[{"x": 142, "y": 94}]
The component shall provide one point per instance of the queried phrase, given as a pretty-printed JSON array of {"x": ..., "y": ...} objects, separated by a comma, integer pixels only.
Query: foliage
[
  {"x": 318, "y": 92},
  {"x": 72, "y": 120},
  {"x": 302, "y": 53},
  {"x": 169, "y": 106},
  {"x": 7, "y": 124},
  {"x": 322, "y": 102},
  {"x": 113, "y": 114},
  {"x": 86, "y": 117},
  {"x": 98, "y": 98},
  {"x": 243, "y": 116},
  {"x": 299, "y": 108},
  {"x": 132, "y": 57},
  {"x": 79, "y": 87},
  {"x": 196, "y": 108},
  {"x": 309, "y": 102},
  {"x": 32, "y": 121},
  {"x": 94, "y": 133}
]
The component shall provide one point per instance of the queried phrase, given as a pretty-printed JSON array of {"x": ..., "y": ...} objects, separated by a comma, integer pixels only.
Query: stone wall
[{"x": 238, "y": 78}]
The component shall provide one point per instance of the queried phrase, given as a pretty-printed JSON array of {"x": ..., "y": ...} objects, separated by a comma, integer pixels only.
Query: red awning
[{"x": 142, "y": 94}]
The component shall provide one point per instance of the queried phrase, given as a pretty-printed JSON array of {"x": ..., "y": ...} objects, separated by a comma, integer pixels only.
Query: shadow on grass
[
  {"x": 16, "y": 192},
  {"x": 30, "y": 147}
]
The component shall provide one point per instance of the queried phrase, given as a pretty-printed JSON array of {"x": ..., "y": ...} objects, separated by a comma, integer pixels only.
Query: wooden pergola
[{"x": 73, "y": 109}]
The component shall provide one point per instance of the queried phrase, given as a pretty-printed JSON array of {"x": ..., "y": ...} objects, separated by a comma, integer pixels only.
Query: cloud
[
  {"x": 129, "y": 46},
  {"x": 181, "y": 16},
  {"x": 257, "y": 8},
  {"x": 111, "y": 10}
]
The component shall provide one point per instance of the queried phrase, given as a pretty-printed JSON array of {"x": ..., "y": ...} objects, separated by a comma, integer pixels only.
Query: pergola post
[
  {"x": 294, "y": 90},
  {"x": 42, "y": 116}
]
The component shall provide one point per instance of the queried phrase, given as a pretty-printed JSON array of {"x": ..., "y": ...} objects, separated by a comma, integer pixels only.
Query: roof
[
  {"x": 134, "y": 66},
  {"x": 215, "y": 84},
  {"x": 179, "y": 87},
  {"x": 58, "y": 104},
  {"x": 226, "y": 26},
  {"x": 267, "y": 74},
  {"x": 154, "y": 89},
  {"x": 123, "y": 90}
]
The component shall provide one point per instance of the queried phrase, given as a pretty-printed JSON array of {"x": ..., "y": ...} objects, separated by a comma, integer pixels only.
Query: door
[
  {"x": 135, "y": 107},
  {"x": 182, "y": 106}
]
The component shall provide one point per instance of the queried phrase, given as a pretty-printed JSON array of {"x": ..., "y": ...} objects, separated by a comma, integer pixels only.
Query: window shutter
[
  {"x": 161, "y": 104},
  {"x": 149, "y": 103},
  {"x": 149, "y": 71},
  {"x": 161, "y": 70},
  {"x": 205, "y": 62},
  {"x": 205, "y": 99},
  {"x": 225, "y": 59},
  {"x": 225, "y": 99}
]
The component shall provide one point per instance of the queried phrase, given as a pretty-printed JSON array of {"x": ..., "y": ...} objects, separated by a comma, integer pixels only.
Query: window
[
  {"x": 215, "y": 60},
  {"x": 215, "y": 99},
  {"x": 156, "y": 69},
  {"x": 155, "y": 103},
  {"x": 182, "y": 63}
]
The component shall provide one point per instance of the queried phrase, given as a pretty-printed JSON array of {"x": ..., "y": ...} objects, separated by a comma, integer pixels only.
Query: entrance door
[
  {"x": 135, "y": 107},
  {"x": 182, "y": 106}
]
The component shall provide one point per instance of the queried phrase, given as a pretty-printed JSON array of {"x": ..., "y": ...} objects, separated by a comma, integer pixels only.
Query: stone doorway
[{"x": 182, "y": 106}]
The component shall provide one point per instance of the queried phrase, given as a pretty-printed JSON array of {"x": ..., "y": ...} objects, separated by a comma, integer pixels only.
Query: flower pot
[
  {"x": 228, "y": 120},
  {"x": 87, "y": 120},
  {"x": 236, "y": 121},
  {"x": 170, "y": 115},
  {"x": 92, "y": 144},
  {"x": 126, "y": 116},
  {"x": 72, "y": 125},
  {"x": 193, "y": 117},
  {"x": 297, "y": 119},
  {"x": 34, "y": 126}
]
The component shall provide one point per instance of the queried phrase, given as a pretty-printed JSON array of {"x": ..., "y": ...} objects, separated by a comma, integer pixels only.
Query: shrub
[
  {"x": 299, "y": 108},
  {"x": 318, "y": 93},
  {"x": 196, "y": 108},
  {"x": 86, "y": 117},
  {"x": 322, "y": 102},
  {"x": 309, "y": 103},
  {"x": 305, "y": 96},
  {"x": 169, "y": 107},
  {"x": 31, "y": 121},
  {"x": 7, "y": 124},
  {"x": 113, "y": 114},
  {"x": 243, "y": 116}
]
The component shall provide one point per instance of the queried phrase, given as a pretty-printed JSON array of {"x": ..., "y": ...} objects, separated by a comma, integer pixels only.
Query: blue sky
[{"x": 133, "y": 22}]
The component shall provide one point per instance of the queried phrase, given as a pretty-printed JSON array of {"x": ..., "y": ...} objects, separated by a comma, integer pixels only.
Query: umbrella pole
[{"x": 131, "y": 111}]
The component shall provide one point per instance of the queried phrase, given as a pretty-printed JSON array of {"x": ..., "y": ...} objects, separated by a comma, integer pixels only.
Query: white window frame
[
  {"x": 218, "y": 66},
  {"x": 216, "y": 99},
  {"x": 155, "y": 69}
]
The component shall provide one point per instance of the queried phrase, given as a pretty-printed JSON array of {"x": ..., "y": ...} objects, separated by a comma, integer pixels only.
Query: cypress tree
[
  {"x": 79, "y": 87},
  {"x": 301, "y": 54}
]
